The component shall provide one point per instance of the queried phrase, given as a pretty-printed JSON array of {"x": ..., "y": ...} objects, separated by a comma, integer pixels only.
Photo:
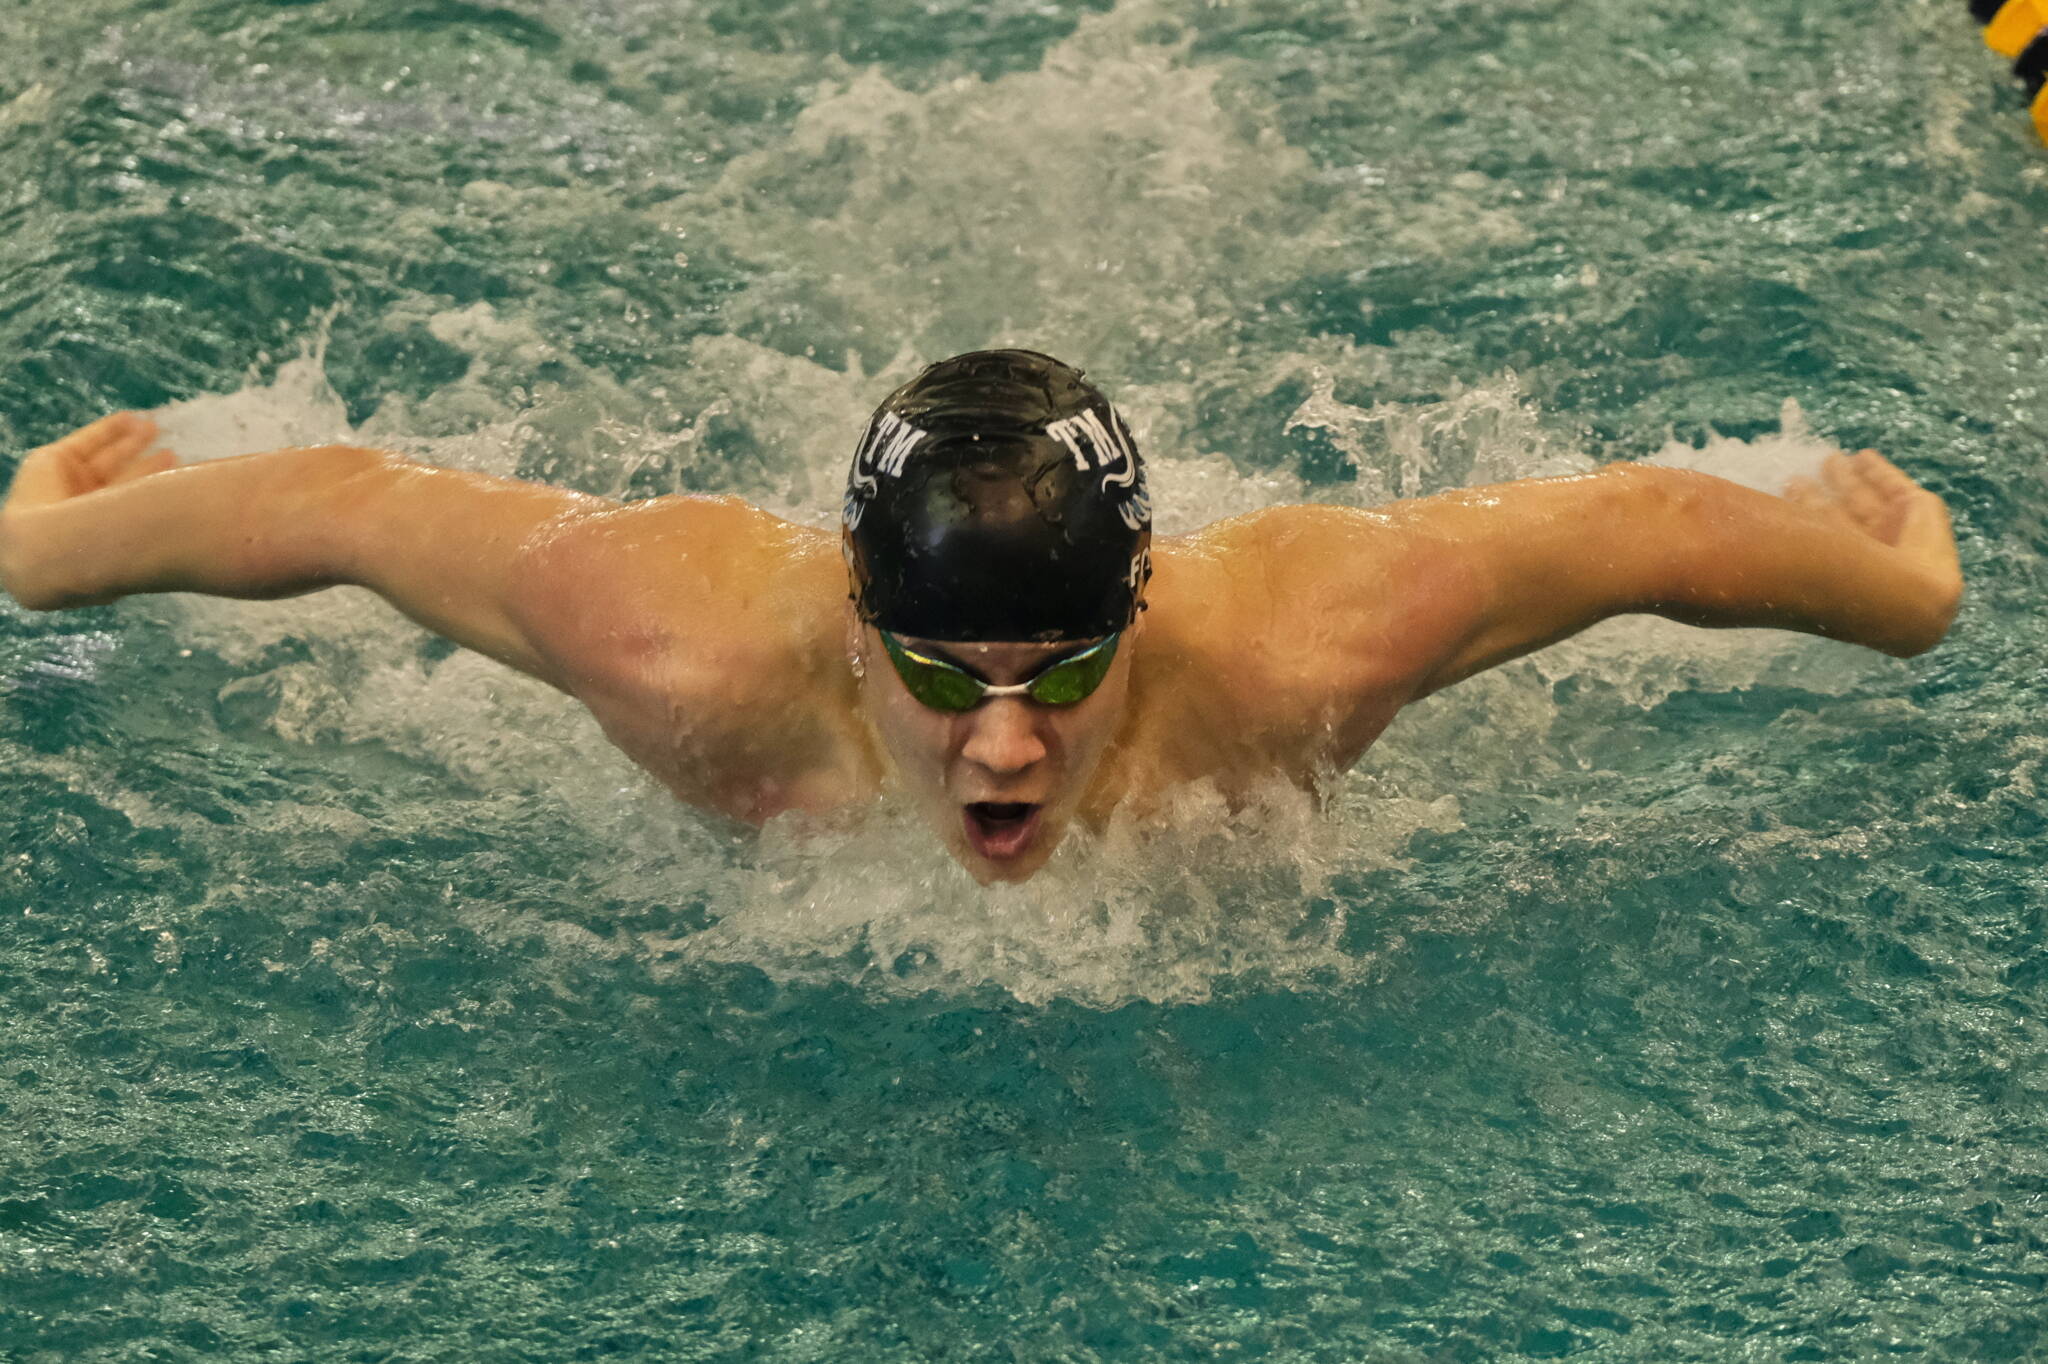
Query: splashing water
[
  {"x": 1666, "y": 994},
  {"x": 1151, "y": 913}
]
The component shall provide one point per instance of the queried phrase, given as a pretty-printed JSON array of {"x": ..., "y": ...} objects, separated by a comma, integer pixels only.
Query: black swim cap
[{"x": 998, "y": 496}]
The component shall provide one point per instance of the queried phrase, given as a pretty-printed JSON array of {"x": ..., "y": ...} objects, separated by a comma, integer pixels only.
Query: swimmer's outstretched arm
[
  {"x": 1864, "y": 555},
  {"x": 103, "y": 514}
]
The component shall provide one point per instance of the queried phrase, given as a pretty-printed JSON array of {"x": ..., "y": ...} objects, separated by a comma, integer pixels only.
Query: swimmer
[{"x": 993, "y": 632}]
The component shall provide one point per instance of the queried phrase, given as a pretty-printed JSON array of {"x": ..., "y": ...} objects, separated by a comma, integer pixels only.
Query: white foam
[
  {"x": 297, "y": 407},
  {"x": 1089, "y": 202},
  {"x": 1164, "y": 910},
  {"x": 1765, "y": 464}
]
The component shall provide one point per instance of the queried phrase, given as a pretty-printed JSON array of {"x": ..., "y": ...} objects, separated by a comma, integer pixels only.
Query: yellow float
[
  {"x": 2015, "y": 24},
  {"x": 2018, "y": 30}
]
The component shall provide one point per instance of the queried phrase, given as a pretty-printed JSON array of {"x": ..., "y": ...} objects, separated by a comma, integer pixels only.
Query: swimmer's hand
[
  {"x": 1864, "y": 554},
  {"x": 105, "y": 513},
  {"x": 1867, "y": 492},
  {"x": 113, "y": 450}
]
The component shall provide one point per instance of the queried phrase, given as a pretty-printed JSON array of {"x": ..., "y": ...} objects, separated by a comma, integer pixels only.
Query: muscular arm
[
  {"x": 99, "y": 516},
  {"x": 703, "y": 633},
  {"x": 584, "y": 593},
  {"x": 1867, "y": 558}
]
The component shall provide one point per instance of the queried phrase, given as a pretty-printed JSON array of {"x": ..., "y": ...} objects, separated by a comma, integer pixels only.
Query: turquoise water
[{"x": 1668, "y": 995}]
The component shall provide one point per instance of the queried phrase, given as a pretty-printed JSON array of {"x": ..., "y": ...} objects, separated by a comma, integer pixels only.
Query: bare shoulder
[
  {"x": 692, "y": 582},
  {"x": 1299, "y": 629},
  {"x": 698, "y": 623},
  {"x": 1352, "y": 589}
]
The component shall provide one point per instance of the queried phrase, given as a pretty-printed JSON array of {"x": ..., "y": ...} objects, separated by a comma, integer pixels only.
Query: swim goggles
[{"x": 943, "y": 686}]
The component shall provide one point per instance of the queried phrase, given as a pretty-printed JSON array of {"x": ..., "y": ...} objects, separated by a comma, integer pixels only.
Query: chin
[{"x": 1001, "y": 873}]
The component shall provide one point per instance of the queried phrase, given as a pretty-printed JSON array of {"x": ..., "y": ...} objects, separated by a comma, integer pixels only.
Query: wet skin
[
  {"x": 715, "y": 644},
  {"x": 1008, "y": 751}
]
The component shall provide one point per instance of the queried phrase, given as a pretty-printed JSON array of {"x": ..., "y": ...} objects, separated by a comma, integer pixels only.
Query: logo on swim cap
[
  {"x": 1114, "y": 455},
  {"x": 882, "y": 453},
  {"x": 998, "y": 496}
]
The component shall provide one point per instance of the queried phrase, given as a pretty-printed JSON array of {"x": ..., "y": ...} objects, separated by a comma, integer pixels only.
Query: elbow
[{"x": 343, "y": 501}]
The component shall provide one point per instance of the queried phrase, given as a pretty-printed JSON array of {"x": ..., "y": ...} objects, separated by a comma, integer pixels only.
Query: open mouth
[{"x": 999, "y": 830}]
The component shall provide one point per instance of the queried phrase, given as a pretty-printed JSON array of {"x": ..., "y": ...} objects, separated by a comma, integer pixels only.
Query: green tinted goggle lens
[{"x": 945, "y": 687}]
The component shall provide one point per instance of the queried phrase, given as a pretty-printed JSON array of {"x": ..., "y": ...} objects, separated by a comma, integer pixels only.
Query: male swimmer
[{"x": 994, "y": 633}]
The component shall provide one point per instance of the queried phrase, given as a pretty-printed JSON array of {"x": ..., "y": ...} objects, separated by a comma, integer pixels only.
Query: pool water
[{"x": 1667, "y": 995}]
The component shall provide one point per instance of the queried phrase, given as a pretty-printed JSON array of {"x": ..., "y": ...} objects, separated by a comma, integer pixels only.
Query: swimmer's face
[{"x": 1000, "y": 782}]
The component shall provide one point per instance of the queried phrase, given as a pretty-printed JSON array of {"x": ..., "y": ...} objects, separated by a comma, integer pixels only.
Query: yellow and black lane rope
[{"x": 2018, "y": 29}]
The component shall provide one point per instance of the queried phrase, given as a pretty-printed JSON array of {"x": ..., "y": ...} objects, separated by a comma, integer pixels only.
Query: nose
[{"x": 1002, "y": 736}]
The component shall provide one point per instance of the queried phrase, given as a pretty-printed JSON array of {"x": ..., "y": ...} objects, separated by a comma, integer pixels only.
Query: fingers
[
  {"x": 153, "y": 463},
  {"x": 93, "y": 435},
  {"x": 41, "y": 478},
  {"x": 1925, "y": 528},
  {"x": 1889, "y": 480},
  {"x": 1866, "y": 502},
  {"x": 91, "y": 457},
  {"x": 1811, "y": 495},
  {"x": 118, "y": 448},
  {"x": 1912, "y": 518},
  {"x": 1916, "y": 511}
]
